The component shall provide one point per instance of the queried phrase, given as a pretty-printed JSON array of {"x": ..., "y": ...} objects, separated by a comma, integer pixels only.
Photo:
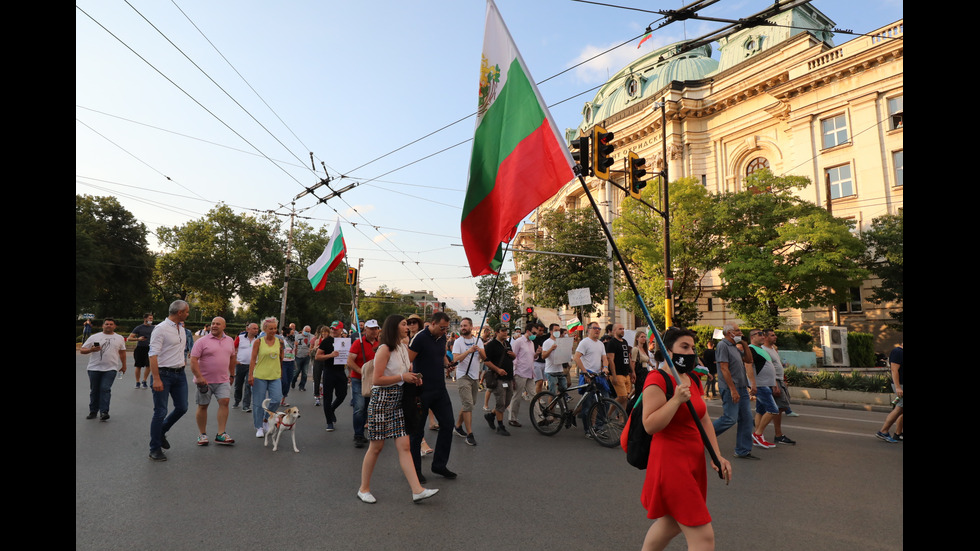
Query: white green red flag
[
  {"x": 573, "y": 325},
  {"x": 519, "y": 158},
  {"x": 329, "y": 260}
]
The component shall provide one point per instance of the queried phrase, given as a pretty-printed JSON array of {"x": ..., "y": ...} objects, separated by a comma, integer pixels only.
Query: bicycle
[{"x": 606, "y": 418}]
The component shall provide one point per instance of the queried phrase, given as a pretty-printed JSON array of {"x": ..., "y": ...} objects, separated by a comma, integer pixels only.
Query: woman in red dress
[{"x": 676, "y": 484}]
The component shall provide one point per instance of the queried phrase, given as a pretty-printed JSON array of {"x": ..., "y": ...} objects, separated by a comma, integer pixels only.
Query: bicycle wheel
[
  {"x": 606, "y": 422},
  {"x": 547, "y": 412}
]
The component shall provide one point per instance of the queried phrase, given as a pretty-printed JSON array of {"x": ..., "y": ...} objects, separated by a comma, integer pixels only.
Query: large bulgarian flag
[
  {"x": 329, "y": 260},
  {"x": 519, "y": 158}
]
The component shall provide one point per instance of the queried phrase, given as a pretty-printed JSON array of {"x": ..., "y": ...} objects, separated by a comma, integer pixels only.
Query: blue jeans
[
  {"x": 287, "y": 376},
  {"x": 359, "y": 403},
  {"x": 174, "y": 386},
  {"x": 740, "y": 413},
  {"x": 302, "y": 364},
  {"x": 259, "y": 389},
  {"x": 100, "y": 390}
]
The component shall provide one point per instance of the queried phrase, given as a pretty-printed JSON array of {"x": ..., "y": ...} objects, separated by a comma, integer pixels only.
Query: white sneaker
[
  {"x": 366, "y": 497},
  {"x": 260, "y": 433},
  {"x": 425, "y": 494}
]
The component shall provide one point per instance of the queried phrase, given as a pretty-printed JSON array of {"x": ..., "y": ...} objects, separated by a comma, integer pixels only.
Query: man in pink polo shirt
[{"x": 213, "y": 365}]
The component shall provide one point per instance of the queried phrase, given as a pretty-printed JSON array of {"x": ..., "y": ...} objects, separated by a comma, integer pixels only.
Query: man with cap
[
  {"x": 361, "y": 351},
  {"x": 334, "y": 376}
]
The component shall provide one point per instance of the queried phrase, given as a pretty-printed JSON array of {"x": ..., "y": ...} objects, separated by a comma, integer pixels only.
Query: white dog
[{"x": 280, "y": 421}]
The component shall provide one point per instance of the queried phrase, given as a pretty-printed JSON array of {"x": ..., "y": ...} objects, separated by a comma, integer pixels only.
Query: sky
[{"x": 183, "y": 105}]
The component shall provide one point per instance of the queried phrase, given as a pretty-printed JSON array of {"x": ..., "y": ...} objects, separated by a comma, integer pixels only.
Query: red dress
[{"x": 676, "y": 481}]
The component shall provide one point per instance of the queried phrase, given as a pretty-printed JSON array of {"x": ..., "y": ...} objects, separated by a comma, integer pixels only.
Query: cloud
[
  {"x": 383, "y": 237},
  {"x": 363, "y": 209}
]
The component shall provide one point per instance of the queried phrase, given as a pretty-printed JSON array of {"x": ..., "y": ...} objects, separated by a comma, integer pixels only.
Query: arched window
[{"x": 756, "y": 164}]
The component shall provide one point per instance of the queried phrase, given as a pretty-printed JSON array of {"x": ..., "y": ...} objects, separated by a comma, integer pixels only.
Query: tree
[
  {"x": 383, "y": 303},
  {"x": 551, "y": 276},
  {"x": 694, "y": 250},
  {"x": 884, "y": 259},
  {"x": 504, "y": 300},
  {"x": 113, "y": 264},
  {"x": 782, "y": 251},
  {"x": 219, "y": 257}
]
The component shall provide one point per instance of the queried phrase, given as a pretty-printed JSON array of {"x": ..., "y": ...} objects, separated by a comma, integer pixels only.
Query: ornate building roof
[{"x": 643, "y": 77}]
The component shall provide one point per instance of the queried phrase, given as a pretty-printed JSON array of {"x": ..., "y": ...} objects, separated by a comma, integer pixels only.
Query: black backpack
[{"x": 635, "y": 440}]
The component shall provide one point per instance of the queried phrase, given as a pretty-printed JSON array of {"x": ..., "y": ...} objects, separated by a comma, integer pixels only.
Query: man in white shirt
[
  {"x": 469, "y": 354},
  {"x": 553, "y": 371},
  {"x": 108, "y": 355},
  {"x": 167, "y": 346},
  {"x": 591, "y": 360}
]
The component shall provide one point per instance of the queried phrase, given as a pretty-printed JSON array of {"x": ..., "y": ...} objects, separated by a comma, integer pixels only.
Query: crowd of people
[{"x": 396, "y": 373}]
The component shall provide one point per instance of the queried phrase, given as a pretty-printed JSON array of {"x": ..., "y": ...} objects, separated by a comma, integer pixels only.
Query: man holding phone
[{"x": 108, "y": 356}]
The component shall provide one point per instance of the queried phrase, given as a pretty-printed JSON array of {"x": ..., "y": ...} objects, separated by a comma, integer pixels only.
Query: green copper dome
[{"x": 645, "y": 76}]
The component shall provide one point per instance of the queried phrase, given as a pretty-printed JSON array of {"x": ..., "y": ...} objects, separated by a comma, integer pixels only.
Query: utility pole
[
  {"x": 668, "y": 270},
  {"x": 289, "y": 254}
]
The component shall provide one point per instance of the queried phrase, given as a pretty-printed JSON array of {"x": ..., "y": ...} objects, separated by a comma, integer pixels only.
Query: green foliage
[
  {"x": 551, "y": 276},
  {"x": 218, "y": 257},
  {"x": 504, "y": 300},
  {"x": 861, "y": 349},
  {"x": 885, "y": 260},
  {"x": 694, "y": 249},
  {"x": 783, "y": 251},
  {"x": 855, "y": 380},
  {"x": 385, "y": 302},
  {"x": 794, "y": 340},
  {"x": 704, "y": 333},
  {"x": 113, "y": 264}
]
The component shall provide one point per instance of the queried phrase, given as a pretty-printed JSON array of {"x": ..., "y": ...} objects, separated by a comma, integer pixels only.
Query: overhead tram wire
[
  {"x": 233, "y": 68},
  {"x": 126, "y": 151},
  {"x": 225, "y": 92},
  {"x": 755, "y": 20},
  {"x": 209, "y": 142},
  {"x": 186, "y": 93}
]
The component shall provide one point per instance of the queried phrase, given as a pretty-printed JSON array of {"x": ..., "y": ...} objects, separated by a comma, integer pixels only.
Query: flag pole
[
  {"x": 486, "y": 312},
  {"x": 649, "y": 318}
]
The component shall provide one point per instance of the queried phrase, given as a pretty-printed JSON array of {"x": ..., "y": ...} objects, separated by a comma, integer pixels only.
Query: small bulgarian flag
[
  {"x": 645, "y": 38},
  {"x": 519, "y": 157},
  {"x": 329, "y": 260},
  {"x": 573, "y": 325}
]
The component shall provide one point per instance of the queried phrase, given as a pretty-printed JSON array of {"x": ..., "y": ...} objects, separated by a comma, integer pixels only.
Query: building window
[
  {"x": 895, "y": 108},
  {"x": 898, "y": 159},
  {"x": 854, "y": 306},
  {"x": 834, "y": 131},
  {"x": 756, "y": 164},
  {"x": 711, "y": 304},
  {"x": 632, "y": 87},
  {"x": 841, "y": 183}
]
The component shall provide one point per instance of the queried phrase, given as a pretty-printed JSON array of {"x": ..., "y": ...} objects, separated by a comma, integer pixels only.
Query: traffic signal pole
[
  {"x": 649, "y": 318},
  {"x": 668, "y": 270}
]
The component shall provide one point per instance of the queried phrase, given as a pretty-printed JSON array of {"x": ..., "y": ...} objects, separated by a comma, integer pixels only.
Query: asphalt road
[{"x": 839, "y": 488}]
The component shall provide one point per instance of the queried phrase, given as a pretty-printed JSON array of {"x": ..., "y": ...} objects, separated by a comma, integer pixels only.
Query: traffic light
[
  {"x": 635, "y": 171},
  {"x": 351, "y": 276},
  {"x": 442, "y": 306},
  {"x": 581, "y": 152},
  {"x": 602, "y": 149},
  {"x": 529, "y": 314}
]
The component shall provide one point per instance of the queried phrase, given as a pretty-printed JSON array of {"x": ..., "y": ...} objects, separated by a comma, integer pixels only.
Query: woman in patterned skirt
[{"x": 386, "y": 418}]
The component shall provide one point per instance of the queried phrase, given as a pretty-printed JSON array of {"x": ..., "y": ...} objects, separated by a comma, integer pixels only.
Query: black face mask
[{"x": 685, "y": 362}]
